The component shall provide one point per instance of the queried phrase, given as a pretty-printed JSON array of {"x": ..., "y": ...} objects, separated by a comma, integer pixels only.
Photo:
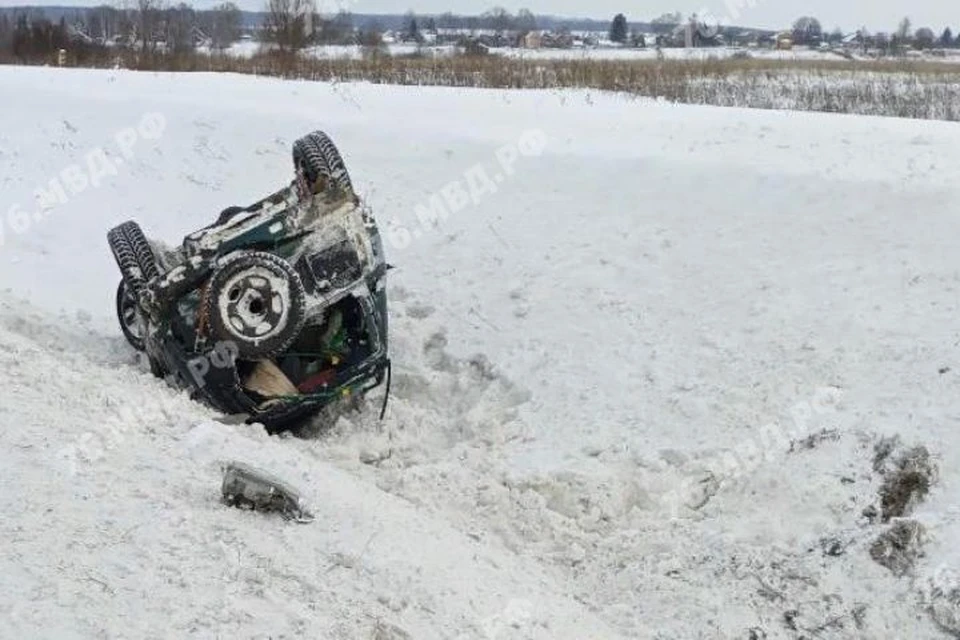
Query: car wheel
[
  {"x": 319, "y": 165},
  {"x": 138, "y": 265},
  {"x": 256, "y": 301},
  {"x": 134, "y": 256},
  {"x": 128, "y": 314}
]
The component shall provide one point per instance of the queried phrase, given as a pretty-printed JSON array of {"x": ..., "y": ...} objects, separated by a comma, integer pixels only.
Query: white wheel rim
[{"x": 255, "y": 304}]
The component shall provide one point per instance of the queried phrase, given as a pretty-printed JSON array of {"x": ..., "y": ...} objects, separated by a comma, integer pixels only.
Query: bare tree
[
  {"x": 904, "y": 31},
  {"x": 924, "y": 38},
  {"x": 411, "y": 28},
  {"x": 149, "y": 19},
  {"x": 342, "y": 28},
  {"x": 498, "y": 19},
  {"x": 102, "y": 23},
  {"x": 224, "y": 29},
  {"x": 882, "y": 42},
  {"x": 526, "y": 21},
  {"x": 371, "y": 41},
  {"x": 6, "y": 33},
  {"x": 180, "y": 23},
  {"x": 289, "y": 23},
  {"x": 447, "y": 21},
  {"x": 807, "y": 30},
  {"x": 901, "y": 37},
  {"x": 669, "y": 19},
  {"x": 335, "y": 30}
]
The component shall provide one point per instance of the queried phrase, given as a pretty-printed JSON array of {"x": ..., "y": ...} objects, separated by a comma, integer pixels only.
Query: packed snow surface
[{"x": 643, "y": 355}]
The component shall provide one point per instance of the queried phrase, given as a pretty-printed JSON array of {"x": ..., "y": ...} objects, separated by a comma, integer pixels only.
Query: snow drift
[{"x": 639, "y": 382}]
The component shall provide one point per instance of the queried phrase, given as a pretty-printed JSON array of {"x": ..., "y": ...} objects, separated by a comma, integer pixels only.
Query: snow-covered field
[
  {"x": 606, "y": 370},
  {"x": 671, "y": 53},
  {"x": 248, "y": 48},
  {"x": 245, "y": 49},
  {"x": 708, "y": 53}
]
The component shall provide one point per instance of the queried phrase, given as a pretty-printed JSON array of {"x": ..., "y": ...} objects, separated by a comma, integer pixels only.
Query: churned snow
[{"x": 642, "y": 356}]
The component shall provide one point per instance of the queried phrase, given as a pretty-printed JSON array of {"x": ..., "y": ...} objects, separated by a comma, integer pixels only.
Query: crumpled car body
[{"x": 276, "y": 312}]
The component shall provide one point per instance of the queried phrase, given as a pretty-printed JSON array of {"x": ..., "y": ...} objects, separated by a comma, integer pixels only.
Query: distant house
[
  {"x": 744, "y": 39},
  {"x": 561, "y": 40},
  {"x": 767, "y": 40},
  {"x": 587, "y": 38},
  {"x": 533, "y": 40},
  {"x": 446, "y": 32},
  {"x": 200, "y": 38},
  {"x": 77, "y": 33},
  {"x": 853, "y": 40},
  {"x": 474, "y": 47},
  {"x": 642, "y": 40}
]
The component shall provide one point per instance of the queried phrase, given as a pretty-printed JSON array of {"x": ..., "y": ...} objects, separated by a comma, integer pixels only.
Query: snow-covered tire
[
  {"x": 131, "y": 250},
  {"x": 257, "y": 303},
  {"x": 128, "y": 315},
  {"x": 315, "y": 157}
]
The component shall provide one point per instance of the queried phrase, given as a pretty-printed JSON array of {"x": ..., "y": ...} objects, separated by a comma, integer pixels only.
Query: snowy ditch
[{"x": 647, "y": 388}]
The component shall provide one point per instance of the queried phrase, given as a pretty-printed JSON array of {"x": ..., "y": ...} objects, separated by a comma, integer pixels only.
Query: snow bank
[{"x": 638, "y": 383}]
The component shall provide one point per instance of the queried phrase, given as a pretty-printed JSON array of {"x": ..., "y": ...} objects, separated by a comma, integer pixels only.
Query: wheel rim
[
  {"x": 255, "y": 304},
  {"x": 304, "y": 186},
  {"x": 130, "y": 315}
]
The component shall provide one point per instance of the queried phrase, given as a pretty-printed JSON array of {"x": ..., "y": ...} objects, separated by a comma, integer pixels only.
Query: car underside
[{"x": 275, "y": 312}]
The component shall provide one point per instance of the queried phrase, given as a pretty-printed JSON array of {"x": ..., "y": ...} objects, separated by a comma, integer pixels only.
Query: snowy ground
[
  {"x": 707, "y": 53},
  {"x": 246, "y": 49},
  {"x": 672, "y": 53},
  {"x": 599, "y": 370}
]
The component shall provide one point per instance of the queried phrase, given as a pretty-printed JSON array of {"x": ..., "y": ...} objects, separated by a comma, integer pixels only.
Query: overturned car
[{"x": 277, "y": 311}]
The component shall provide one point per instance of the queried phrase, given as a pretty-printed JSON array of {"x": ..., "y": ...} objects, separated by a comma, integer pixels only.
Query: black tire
[
  {"x": 128, "y": 315},
  {"x": 229, "y": 214},
  {"x": 317, "y": 159},
  {"x": 256, "y": 302},
  {"x": 134, "y": 256}
]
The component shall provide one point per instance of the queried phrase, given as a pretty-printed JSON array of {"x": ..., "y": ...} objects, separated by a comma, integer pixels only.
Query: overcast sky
[{"x": 876, "y": 15}]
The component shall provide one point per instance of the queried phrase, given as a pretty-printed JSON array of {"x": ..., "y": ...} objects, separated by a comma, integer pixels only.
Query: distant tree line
[
  {"x": 27, "y": 38},
  {"x": 806, "y": 30},
  {"x": 292, "y": 25},
  {"x": 496, "y": 19},
  {"x": 154, "y": 27},
  {"x": 147, "y": 27},
  {"x": 150, "y": 27}
]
